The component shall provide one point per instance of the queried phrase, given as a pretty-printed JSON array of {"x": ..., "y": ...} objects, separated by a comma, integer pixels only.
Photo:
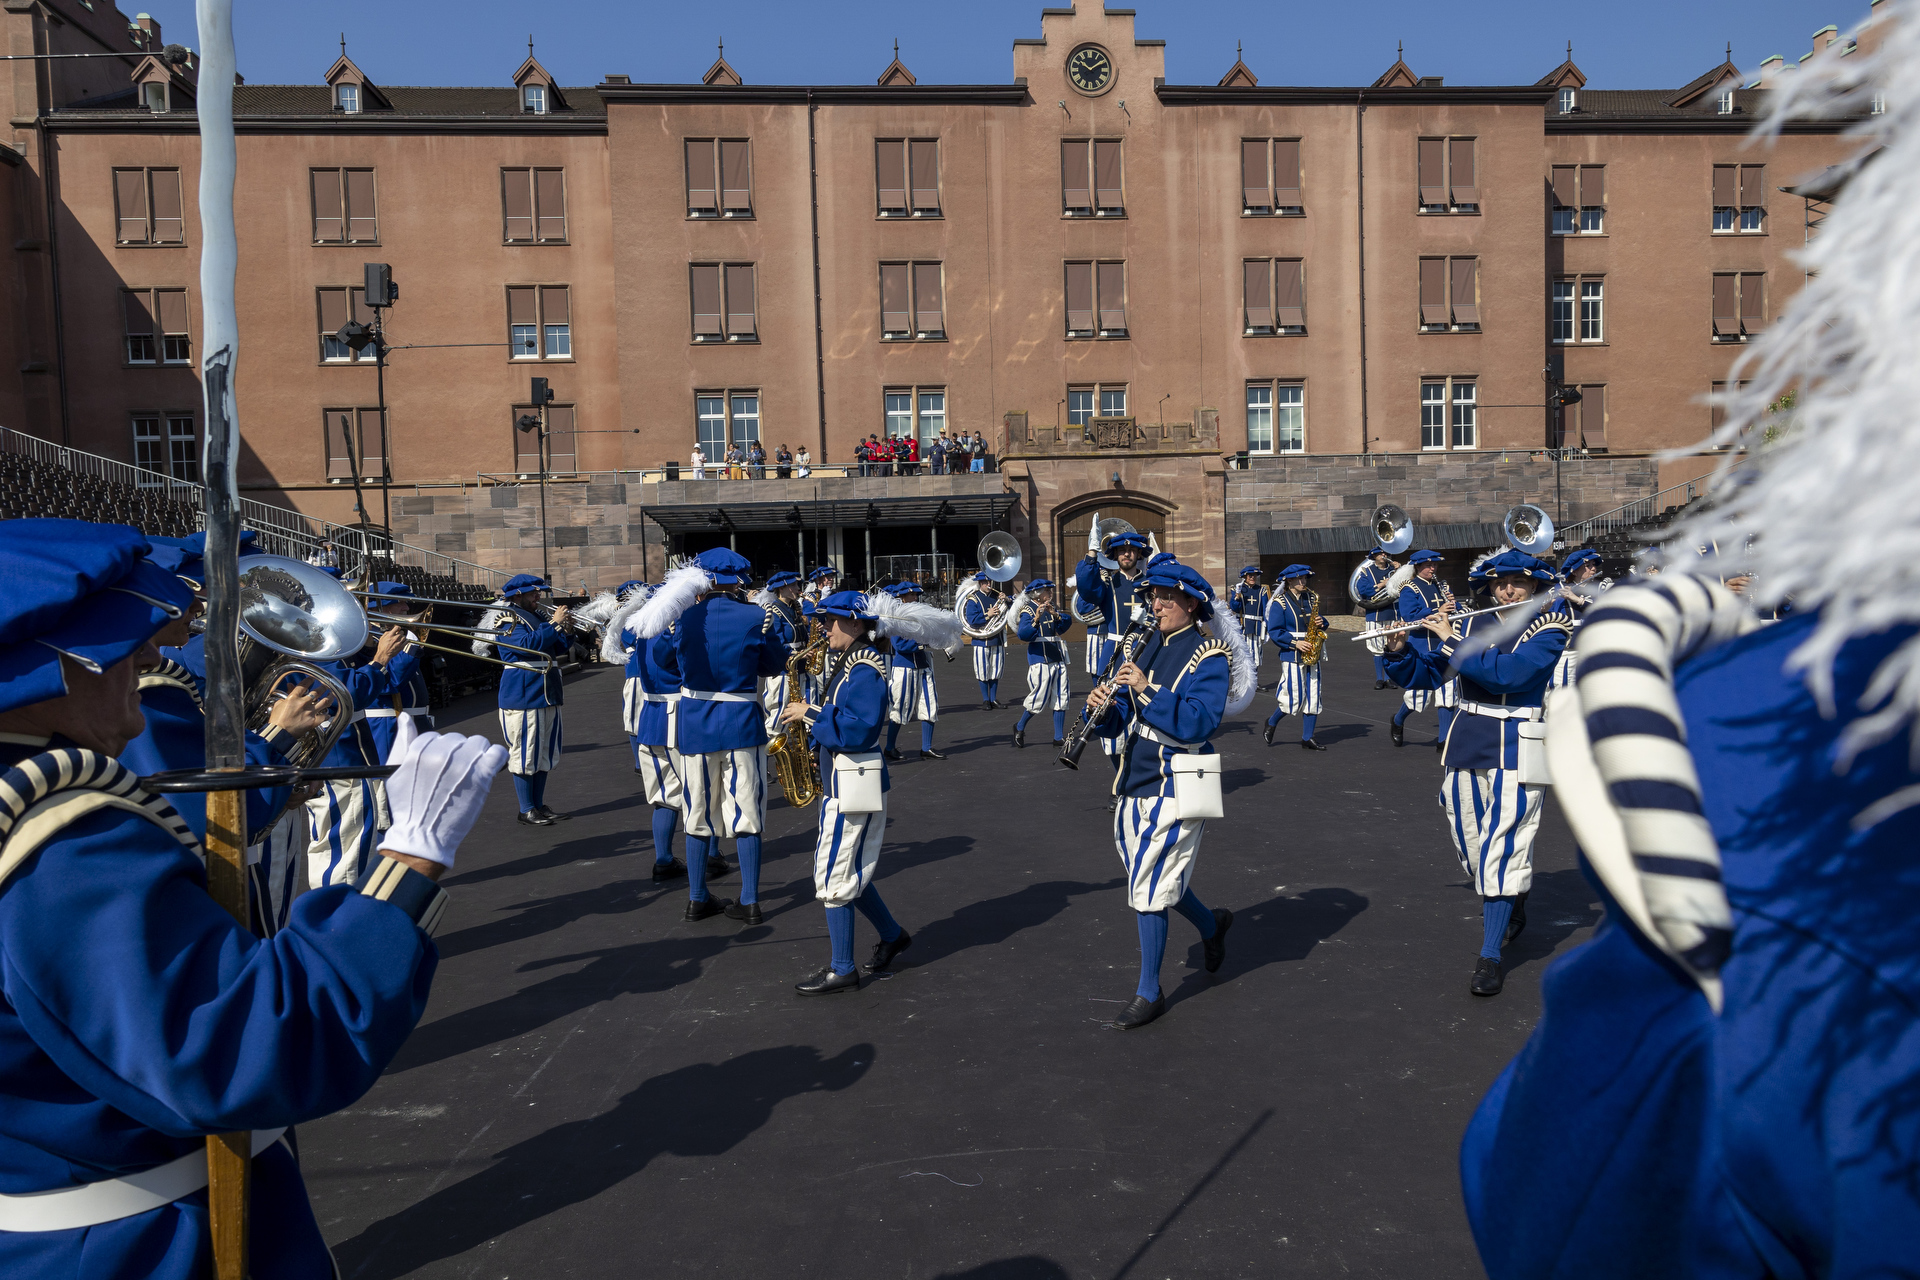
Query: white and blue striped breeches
[
  {"x": 1046, "y": 686},
  {"x": 347, "y": 818},
  {"x": 1447, "y": 695},
  {"x": 662, "y": 775},
  {"x": 848, "y": 852},
  {"x": 774, "y": 697},
  {"x": 274, "y": 862},
  {"x": 1493, "y": 820},
  {"x": 987, "y": 661},
  {"x": 1297, "y": 692},
  {"x": 911, "y": 695},
  {"x": 1157, "y": 848},
  {"x": 726, "y": 792},
  {"x": 532, "y": 738}
]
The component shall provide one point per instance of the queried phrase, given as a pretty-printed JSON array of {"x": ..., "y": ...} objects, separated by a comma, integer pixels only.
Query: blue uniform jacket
[
  {"x": 521, "y": 689},
  {"x": 653, "y": 664},
  {"x": 405, "y": 678},
  {"x": 1511, "y": 673},
  {"x": 1249, "y": 604},
  {"x": 179, "y": 1023},
  {"x": 1371, "y": 581},
  {"x": 1043, "y": 635},
  {"x": 1637, "y": 1135},
  {"x": 1287, "y": 621},
  {"x": 1114, "y": 592},
  {"x": 724, "y": 645},
  {"x": 975, "y": 610},
  {"x": 1419, "y": 599},
  {"x": 367, "y": 685},
  {"x": 1185, "y": 701},
  {"x": 854, "y": 708},
  {"x": 911, "y": 655}
]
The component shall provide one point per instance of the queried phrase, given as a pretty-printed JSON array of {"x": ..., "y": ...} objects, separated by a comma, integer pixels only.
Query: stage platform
[{"x": 599, "y": 1089}]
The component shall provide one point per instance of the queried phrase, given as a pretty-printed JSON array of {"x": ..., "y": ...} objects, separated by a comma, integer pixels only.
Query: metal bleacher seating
[
  {"x": 1619, "y": 547},
  {"x": 32, "y": 488}
]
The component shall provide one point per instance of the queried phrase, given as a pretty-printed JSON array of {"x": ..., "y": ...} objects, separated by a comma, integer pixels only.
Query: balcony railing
[{"x": 1632, "y": 513}]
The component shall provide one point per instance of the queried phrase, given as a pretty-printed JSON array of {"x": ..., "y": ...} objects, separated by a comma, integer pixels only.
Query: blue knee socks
[
  {"x": 986, "y": 690},
  {"x": 523, "y": 791},
  {"x": 748, "y": 850},
  {"x": 840, "y": 932},
  {"x": 1024, "y": 717},
  {"x": 1400, "y": 716},
  {"x": 1196, "y": 912},
  {"x": 664, "y": 821},
  {"x": 1307, "y": 726},
  {"x": 1059, "y": 725},
  {"x": 893, "y": 736},
  {"x": 1276, "y": 717},
  {"x": 1379, "y": 668},
  {"x": 1498, "y": 913},
  {"x": 926, "y": 735},
  {"x": 1153, "y": 949},
  {"x": 874, "y": 908},
  {"x": 537, "y": 784},
  {"x": 697, "y": 851}
]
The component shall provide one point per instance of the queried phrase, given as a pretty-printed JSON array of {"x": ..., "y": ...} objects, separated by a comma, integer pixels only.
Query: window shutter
[
  {"x": 1726, "y": 307},
  {"x": 1593, "y": 417},
  {"x": 562, "y": 446},
  {"x": 550, "y": 203},
  {"x": 1433, "y": 168},
  {"x": 1433, "y": 291},
  {"x": 740, "y": 301},
  {"x": 1258, "y": 286},
  {"x": 1079, "y": 295},
  {"x": 130, "y": 196},
  {"x": 526, "y": 444},
  {"x": 1593, "y": 186},
  {"x": 338, "y": 428},
  {"x": 1753, "y": 302},
  {"x": 1255, "y": 182},
  {"x": 925, "y": 154},
  {"x": 1289, "y": 293},
  {"x": 173, "y": 311},
  {"x": 361, "y": 311},
  {"x": 706, "y": 299},
  {"x": 1074, "y": 160},
  {"x": 168, "y": 226},
  {"x": 373, "y": 445},
  {"x": 516, "y": 196},
  {"x": 1106, "y": 174},
  {"x": 1723, "y": 186},
  {"x": 1466, "y": 186},
  {"x": 1565, "y": 182},
  {"x": 1753, "y": 186},
  {"x": 927, "y": 317},
  {"x": 1113, "y": 295},
  {"x": 1466, "y": 290},
  {"x": 362, "y": 227},
  {"x": 895, "y": 298},
  {"x": 329, "y": 219},
  {"x": 702, "y": 191},
  {"x": 139, "y": 304},
  {"x": 554, "y": 307},
  {"x": 891, "y": 157},
  {"x": 1286, "y": 172},
  {"x": 522, "y": 306},
  {"x": 736, "y": 174},
  {"x": 333, "y": 310}
]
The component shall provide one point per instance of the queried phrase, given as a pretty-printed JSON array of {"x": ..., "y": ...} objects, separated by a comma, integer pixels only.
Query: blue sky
[{"x": 1625, "y": 44}]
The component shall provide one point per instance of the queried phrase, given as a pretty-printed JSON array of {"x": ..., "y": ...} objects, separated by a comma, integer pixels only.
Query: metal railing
[
  {"x": 1632, "y": 513},
  {"x": 279, "y": 531},
  {"x": 681, "y": 471}
]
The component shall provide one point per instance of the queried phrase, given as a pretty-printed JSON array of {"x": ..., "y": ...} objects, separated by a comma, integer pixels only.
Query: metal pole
[
  {"x": 546, "y": 570},
  {"x": 386, "y": 440}
]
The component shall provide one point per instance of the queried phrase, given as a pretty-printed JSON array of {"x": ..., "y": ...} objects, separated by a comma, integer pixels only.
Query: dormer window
[
  {"x": 1568, "y": 99},
  {"x": 153, "y": 96},
  {"x": 533, "y": 99},
  {"x": 1879, "y": 107},
  {"x": 1724, "y": 103},
  {"x": 346, "y": 98}
]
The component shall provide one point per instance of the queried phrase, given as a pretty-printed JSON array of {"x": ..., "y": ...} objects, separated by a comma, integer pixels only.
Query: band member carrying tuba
[{"x": 978, "y": 609}]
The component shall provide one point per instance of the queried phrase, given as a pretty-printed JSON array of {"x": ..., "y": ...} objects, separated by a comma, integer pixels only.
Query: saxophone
[
  {"x": 1316, "y": 633},
  {"x": 793, "y": 764}
]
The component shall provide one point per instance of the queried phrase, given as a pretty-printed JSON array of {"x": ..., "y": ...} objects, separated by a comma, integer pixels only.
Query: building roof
[{"x": 281, "y": 101}]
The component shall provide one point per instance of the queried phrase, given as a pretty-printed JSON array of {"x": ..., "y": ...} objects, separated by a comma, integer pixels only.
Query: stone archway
[{"x": 1071, "y": 524}]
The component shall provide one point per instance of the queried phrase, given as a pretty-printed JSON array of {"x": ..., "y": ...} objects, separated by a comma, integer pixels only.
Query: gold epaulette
[{"x": 1207, "y": 649}]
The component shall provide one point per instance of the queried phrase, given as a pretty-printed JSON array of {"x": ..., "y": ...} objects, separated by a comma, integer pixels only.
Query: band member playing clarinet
[
  {"x": 1164, "y": 703},
  {"x": 1041, "y": 626}
]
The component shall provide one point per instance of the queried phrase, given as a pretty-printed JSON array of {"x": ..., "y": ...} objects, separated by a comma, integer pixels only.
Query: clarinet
[{"x": 1076, "y": 739}]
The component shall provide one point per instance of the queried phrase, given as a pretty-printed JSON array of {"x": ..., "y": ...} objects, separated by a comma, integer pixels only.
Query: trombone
[{"x": 378, "y": 622}]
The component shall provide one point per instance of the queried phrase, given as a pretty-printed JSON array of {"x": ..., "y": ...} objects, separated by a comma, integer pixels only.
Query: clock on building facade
[{"x": 1090, "y": 70}]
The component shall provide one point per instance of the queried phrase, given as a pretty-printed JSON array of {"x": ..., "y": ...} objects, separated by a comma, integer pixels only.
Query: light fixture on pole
[{"x": 542, "y": 397}]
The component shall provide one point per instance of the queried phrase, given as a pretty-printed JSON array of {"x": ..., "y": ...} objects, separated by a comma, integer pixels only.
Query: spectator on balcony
[
  {"x": 937, "y": 455},
  {"x": 737, "y": 463},
  {"x": 699, "y": 462},
  {"x": 863, "y": 454},
  {"x": 913, "y": 455},
  {"x": 977, "y": 450},
  {"x": 803, "y": 463},
  {"x": 782, "y": 462},
  {"x": 757, "y": 457}
]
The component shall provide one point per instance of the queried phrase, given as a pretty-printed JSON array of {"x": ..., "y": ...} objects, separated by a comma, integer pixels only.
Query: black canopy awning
[
  {"x": 1359, "y": 537},
  {"x": 702, "y": 517}
]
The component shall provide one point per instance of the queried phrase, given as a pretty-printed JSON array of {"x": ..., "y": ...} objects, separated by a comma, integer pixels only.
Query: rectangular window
[
  {"x": 1449, "y": 413},
  {"x": 1275, "y": 296},
  {"x": 1079, "y": 299},
  {"x": 1113, "y": 402},
  {"x": 157, "y": 331},
  {"x": 916, "y": 412},
  {"x": 1465, "y": 421},
  {"x": 556, "y": 322},
  {"x": 719, "y": 178},
  {"x": 911, "y": 302},
  {"x": 1448, "y": 175},
  {"x": 703, "y": 186},
  {"x": 1260, "y": 417},
  {"x": 175, "y": 340},
  {"x": 744, "y": 408},
  {"x": 1276, "y": 417},
  {"x": 1270, "y": 176},
  {"x": 1090, "y": 178},
  {"x": 533, "y": 99},
  {"x": 723, "y": 419},
  {"x": 1560, "y": 311},
  {"x": 1739, "y": 198},
  {"x": 344, "y": 207},
  {"x": 562, "y": 441},
  {"x": 534, "y": 205},
  {"x": 1739, "y": 305},
  {"x": 1583, "y": 424},
  {"x": 147, "y": 206},
  {"x": 1106, "y": 178},
  {"x": 907, "y": 174},
  {"x": 336, "y": 307},
  {"x": 724, "y": 297},
  {"x": 923, "y": 172},
  {"x": 1258, "y": 290},
  {"x": 710, "y": 410},
  {"x": 1110, "y": 281},
  {"x": 1433, "y": 415},
  {"x": 890, "y": 167},
  {"x": 347, "y": 98},
  {"x": 1080, "y": 402},
  {"x": 353, "y": 436},
  {"x": 539, "y": 322},
  {"x": 929, "y": 311},
  {"x": 150, "y": 448},
  {"x": 932, "y": 415},
  {"x": 1575, "y": 310},
  {"x": 1579, "y": 199},
  {"x": 1089, "y": 400},
  {"x": 1096, "y": 299},
  {"x": 174, "y": 455},
  {"x": 899, "y": 413},
  {"x": 736, "y": 178},
  {"x": 138, "y": 306},
  {"x": 1591, "y": 301},
  {"x": 1449, "y": 295}
]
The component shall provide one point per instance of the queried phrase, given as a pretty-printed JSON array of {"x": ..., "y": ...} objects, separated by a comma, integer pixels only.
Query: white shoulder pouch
[
  {"x": 1196, "y": 786},
  {"x": 1533, "y": 754},
  {"x": 856, "y": 782}
]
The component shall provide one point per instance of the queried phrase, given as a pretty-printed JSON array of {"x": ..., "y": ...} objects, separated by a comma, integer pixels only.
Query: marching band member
[
  {"x": 781, "y": 599},
  {"x": 1041, "y": 626},
  {"x": 346, "y": 816},
  {"x": 989, "y": 652},
  {"x": 910, "y": 691},
  {"x": 1165, "y": 701},
  {"x": 723, "y": 647},
  {"x": 650, "y": 695},
  {"x": 847, "y": 720},
  {"x": 1580, "y": 567},
  {"x": 1115, "y": 592},
  {"x": 1249, "y": 604},
  {"x": 177, "y": 1023},
  {"x": 1503, "y": 669},
  {"x": 1424, "y": 596},
  {"x": 530, "y": 691},
  {"x": 1372, "y": 581},
  {"x": 407, "y": 682},
  {"x": 1297, "y": 692}
]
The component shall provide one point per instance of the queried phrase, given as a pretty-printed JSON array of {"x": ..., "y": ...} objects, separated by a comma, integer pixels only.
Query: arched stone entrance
[{"x": 1074, "y": 522}]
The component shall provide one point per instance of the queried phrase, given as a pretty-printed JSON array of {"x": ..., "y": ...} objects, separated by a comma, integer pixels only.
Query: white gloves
[{"x": 435, "y": 795}]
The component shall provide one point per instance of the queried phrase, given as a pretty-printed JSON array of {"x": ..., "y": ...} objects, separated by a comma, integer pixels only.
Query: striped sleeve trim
[{"x": 393, "y": 881}]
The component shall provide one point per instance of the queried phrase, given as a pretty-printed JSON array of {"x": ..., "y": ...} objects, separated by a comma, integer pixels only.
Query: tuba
[
  {"x": 294, "y": 616},
  {"x": 996, "y": 619},
  {"x": 1393, "y": 530},
  {"x": 999, "y": 556},
  {"x": 1527, "y": 528},
  {"x": 1102, "y": 530}
]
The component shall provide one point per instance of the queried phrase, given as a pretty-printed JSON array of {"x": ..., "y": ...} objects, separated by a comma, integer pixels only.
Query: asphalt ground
[{"x": 600, "y": 1089}]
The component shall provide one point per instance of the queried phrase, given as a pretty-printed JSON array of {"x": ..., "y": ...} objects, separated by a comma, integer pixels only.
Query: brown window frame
[
  {"x": 1745, "y": 315},
  {"x": 912, "y": 189},
  {"x": 1270, "y": 201},
  {"x": 1449, "y": 384},
  {"x": 354, "y": 296},
  {"x": 910, "y": 308},
  {"x": 543, "y": 298},
  {"x": 1099, "y": 270},
  {"x": 168, "y": 443},
  {"x": 571, "y": 431},
  {"x": 1578, "y": 191},
  {"x": 1449, "y": 301},
  {"x": 1739, "y": 190},
  {"x": 724, "y": 334},
  {"x": 1273, "y": 320},
  {"x": 537, "y": 219},
  {"x": 1097, "y": 390},
  {"x": 148, "y": 216},
  {"x": 347, "y": 217},
  {"x": 1093, "y": 208},
  {"x": 170, "y": 347},
  {"x": 720, "y": 209},
  {"x": 360, "y": 415},
  {"x": 1446, "y": 181},
  {"x": 1272, "y": 386}
]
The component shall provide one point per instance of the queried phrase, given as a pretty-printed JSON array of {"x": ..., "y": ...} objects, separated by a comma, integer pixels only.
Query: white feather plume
[
  {"x": 932, "y": 626},
  {"x": 671, "y": 599},
  {"x": 1012, "y": 614},
  {"x": 764, "y": 598},
  {"x": 1241, "y": 684},
  {"x": 613, "y": 646},
  {"x": 598, "y": 610},
  {"x": 1823, "y": 513},
  {"x": 493, "y": 619}
]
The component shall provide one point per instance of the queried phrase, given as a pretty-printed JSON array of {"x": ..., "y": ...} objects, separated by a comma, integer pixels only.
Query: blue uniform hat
[
  {"x": 1040, "y": 584},
  {"x": 187, "y": 556},
  {"x": 1138, "y": 541},
  {"x": 1424, "y": 556},
  {"x": 1585, "y": 555},
  {"x": 983, "y": 576},
  {"x": 1165, "y": 571},
  {"x": 724, "y": 565},
  {"x": 521, "y": 583},
  {"x": 75, "y": 587},
  {"x": 1516, "y": 564},
  {"x": 908, "y": 589},
  {"x": 1253, "y": 569},
  {"x": 847, "y": 604},
  {"x": 824, "y": 571},
  {"x": 784, "y": 578},
  {"x": 621, "y": 591},
  {"x": 1295, "y": 571}
]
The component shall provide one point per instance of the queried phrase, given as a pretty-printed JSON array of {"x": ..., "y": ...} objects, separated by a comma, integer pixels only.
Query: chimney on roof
[
  {"x": 618, "y": 79},
  {"x": 1825, "y": 36},
  {"x": 1770, "y": 69},
  {"x": 1431, "y": 82},
  {"x": 151, "y": 25}
]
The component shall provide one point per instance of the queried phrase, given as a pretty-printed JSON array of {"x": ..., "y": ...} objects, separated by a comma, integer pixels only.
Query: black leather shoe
[
  {"x": 986, "y": 706},
  {"x": 534, "y": 819},
  {"x": 1517, "y": 925},
  {"x": 1215, "y": 948},
  {"x": 744, "y": 912},
  {"x": 1059, "y": 742},
  {"x": 931, "y": 754},
  {"x": 551, "y": 816},
  {"x": 884, "y": 952},
  {"x": 1308, "y": 744},
  {"x": 716, "y": 866},
  {"x": 1113, "y": 804},
  {"x": 706, "y": 910},
  {"x": 672, "y": 869},
  {"x": 826, "y": 982},
  {"x": 1439, "y": 744},
  {"x": 1379, "y": 684},
  {"x": 1139, "y": 1013},
  {"x": 993, "y": 705},
  {"x": 1019, "y": 737},
  {"x": 891, "y": 754},
  {"x": 1398, "y": 732},
  {"x": 1487, "y": 978},
  {"x": 1268, "y": 733}
]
